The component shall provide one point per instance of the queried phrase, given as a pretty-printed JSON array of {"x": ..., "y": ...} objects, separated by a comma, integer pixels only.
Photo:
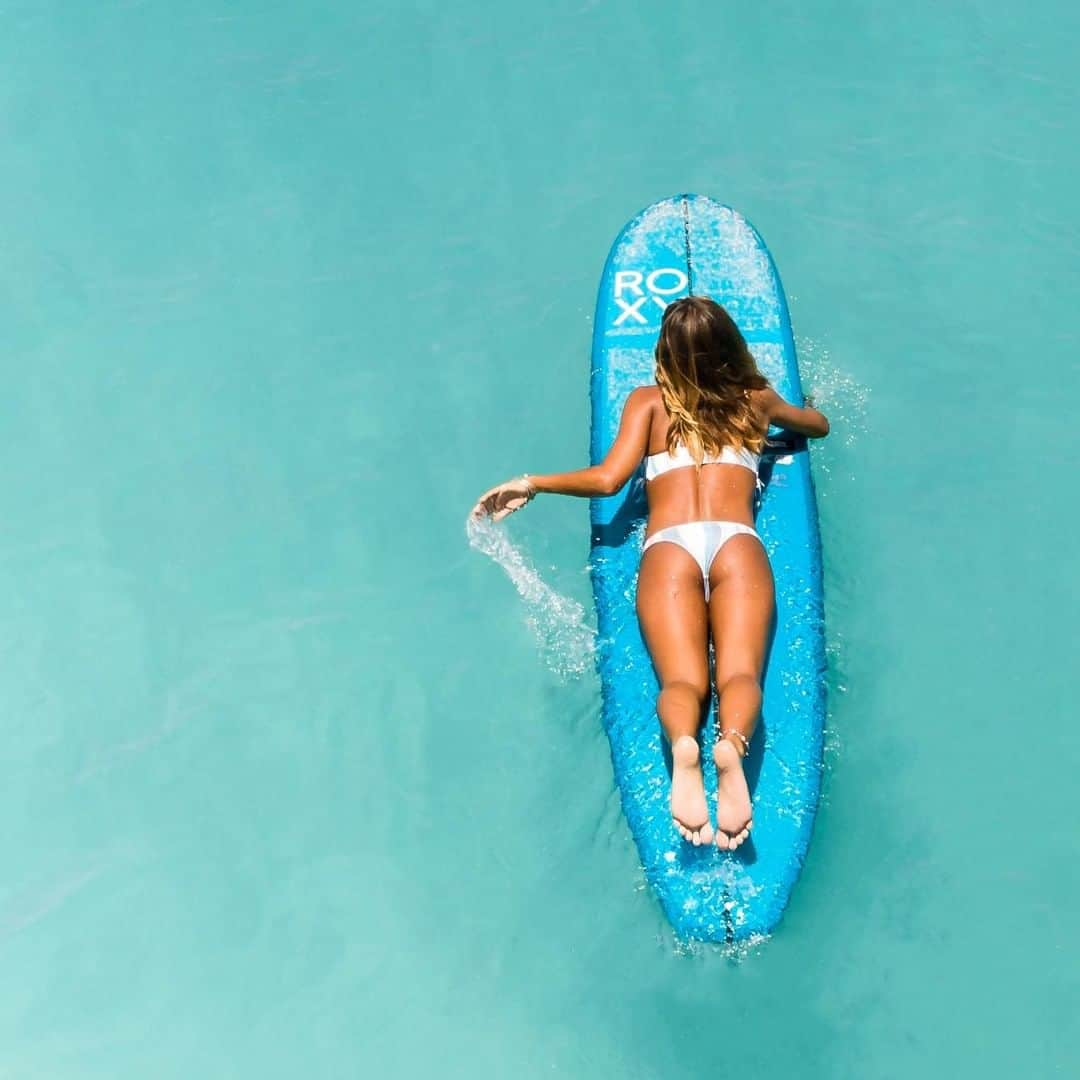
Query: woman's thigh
[
  {"x": 742, "y": 606},
  {"x": 673, "y": 616}
]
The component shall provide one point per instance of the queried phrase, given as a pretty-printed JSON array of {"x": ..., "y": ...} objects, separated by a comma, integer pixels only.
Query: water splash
[
  {"x": 835, "y": 652},
  {"x": 836, "y": 392},
  {"x": 567, "y": 642},
  {"x": 845, "y": 401},
  {"x": 732, "y": 952}
]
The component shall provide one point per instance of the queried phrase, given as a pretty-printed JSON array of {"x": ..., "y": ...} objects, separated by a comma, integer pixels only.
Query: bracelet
[
  {"x": 530, "y": 487},
  {"x": 738, "y": 734}
]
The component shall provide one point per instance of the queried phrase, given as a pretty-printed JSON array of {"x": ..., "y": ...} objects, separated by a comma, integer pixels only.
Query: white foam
[
  {"x": 845, "y": 401},
  {"x": 837, "y": 393},
  {"x": 567, "y": 642},
  {"x": 659, "y": 224}
]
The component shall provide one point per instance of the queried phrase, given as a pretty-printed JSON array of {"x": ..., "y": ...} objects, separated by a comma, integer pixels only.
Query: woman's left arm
[{"x": 604, "y": 479}]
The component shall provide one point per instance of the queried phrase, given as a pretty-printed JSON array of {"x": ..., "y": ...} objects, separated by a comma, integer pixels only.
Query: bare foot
[
  {"x": 689, "y": 810},
  {"x": 733, "y": 809}
]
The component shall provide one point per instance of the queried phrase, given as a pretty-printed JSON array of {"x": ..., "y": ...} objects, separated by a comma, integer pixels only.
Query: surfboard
[{"x": 690, "y": 243}]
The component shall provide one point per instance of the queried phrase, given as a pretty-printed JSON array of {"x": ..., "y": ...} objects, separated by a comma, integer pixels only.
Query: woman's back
[{"x": 715, "y": 492}]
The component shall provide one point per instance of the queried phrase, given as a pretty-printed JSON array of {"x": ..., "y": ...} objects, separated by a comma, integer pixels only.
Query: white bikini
[{"x": 701, "y": 539}]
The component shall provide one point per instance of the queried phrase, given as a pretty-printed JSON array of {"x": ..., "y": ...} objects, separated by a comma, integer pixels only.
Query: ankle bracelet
[{"x": 739, "y": 735}]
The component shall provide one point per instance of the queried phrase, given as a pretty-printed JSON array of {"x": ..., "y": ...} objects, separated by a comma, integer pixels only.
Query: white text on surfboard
[{"x": 660, "y": 286}]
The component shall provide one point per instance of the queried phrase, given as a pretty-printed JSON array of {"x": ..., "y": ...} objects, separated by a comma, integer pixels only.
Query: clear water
[{"x": 290, "y": 786}]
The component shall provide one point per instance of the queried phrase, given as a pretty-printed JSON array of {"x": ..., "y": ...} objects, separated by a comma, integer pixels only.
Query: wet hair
[{"x": 706, "y": 375}]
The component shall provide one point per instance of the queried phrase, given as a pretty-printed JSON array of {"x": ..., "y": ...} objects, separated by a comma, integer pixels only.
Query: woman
[{"x": 701, "y": 430}]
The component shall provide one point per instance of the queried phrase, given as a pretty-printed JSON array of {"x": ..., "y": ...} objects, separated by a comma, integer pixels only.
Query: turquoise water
[{"x": 290, "y": 786}]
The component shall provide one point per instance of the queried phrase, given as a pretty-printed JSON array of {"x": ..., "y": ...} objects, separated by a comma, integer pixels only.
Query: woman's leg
[
  {"x": 674, "y": 620},
  {"x": 741, "y": 610}
]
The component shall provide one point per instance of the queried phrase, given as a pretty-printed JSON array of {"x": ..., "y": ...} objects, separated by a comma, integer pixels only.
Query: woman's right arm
[
  {"x": 606, "y": 478},
  {"x": 805, "y": 421}
]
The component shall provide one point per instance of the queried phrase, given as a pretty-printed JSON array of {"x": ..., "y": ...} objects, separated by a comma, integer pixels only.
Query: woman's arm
[
  {"x": 805, "y": 421},
  {"x": 604, "y": 479}
]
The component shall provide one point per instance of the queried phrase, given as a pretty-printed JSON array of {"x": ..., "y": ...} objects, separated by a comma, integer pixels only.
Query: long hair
[{"x": 706, "y": 374}]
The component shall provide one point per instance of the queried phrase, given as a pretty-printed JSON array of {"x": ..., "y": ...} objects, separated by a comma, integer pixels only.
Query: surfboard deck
[{"x": 690, "y": 243}]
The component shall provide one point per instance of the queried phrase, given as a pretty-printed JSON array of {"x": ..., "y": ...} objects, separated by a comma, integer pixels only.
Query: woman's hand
[{"x": 503, "y": 500}]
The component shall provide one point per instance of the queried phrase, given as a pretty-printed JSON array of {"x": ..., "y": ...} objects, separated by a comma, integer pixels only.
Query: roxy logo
[{"x": 635, "y": 293}]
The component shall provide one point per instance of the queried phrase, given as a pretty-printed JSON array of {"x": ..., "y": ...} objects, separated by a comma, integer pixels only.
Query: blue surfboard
[{"x": 692, "y": 244}]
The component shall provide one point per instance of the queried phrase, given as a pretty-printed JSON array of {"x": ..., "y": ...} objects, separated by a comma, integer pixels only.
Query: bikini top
[{"x": 658, "y": 464}]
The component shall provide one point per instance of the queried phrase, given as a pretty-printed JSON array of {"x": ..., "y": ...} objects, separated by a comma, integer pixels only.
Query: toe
[
  {"x": 706, "y": 833},
  {"x": 696, "y": 835},
  {"x": 721, "y": 839}
]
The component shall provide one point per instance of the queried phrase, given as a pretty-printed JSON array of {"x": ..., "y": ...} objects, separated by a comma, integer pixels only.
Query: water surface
[{"x": 289, "y": 785}]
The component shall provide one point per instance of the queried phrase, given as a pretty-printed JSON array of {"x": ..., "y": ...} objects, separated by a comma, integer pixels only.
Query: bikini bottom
[{"x": 702, "y": 540}]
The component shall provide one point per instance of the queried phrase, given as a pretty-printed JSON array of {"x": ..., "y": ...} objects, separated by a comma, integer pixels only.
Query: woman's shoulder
[
  {"x": 646, "y": 403},
  {"x": 645, "y": 395},
  {"x": 764, "y": 400}
]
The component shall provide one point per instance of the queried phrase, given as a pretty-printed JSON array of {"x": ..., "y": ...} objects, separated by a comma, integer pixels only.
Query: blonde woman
[{"x": 704, "y": 571}]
